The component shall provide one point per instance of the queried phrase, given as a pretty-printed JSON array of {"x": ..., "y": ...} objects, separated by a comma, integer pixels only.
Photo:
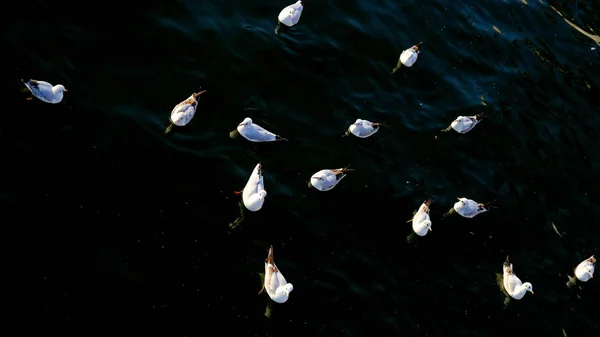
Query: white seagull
[
  {"x": 363, "y": 128},
  {"x": 256, "y": 133},
  {"x": 290, "y": 15},
  {"x": 408, "y": 57},
  {"x": 585, "y": 270},
  {"x": 45, "y": 91},
  {"x": 420, "y": 222},
  {"x": 468, "y": 208},
  {"x": 275, "y": 284},
  {"x": 183, "y": 112},
  {"x": 512, "y": 284},
  {"x": 327, "y": 179},
  {"x": 254, "y": 192},
  {"x": 464, "y": 124}
]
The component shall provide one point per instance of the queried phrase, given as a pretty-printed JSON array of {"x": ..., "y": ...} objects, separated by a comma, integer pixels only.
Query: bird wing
[
  {"x": 263, "y": 131},
  {"x": 41, "y": 89},
  {"x": 511, "y": 281},
  {"x": 271, "y": 278},
  {"x": 280, "y": 279},
  {"x": 252, "y": 186}
]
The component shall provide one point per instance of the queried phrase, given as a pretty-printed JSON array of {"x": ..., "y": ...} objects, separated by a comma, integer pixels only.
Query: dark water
[{"x": 117, "y": 229}]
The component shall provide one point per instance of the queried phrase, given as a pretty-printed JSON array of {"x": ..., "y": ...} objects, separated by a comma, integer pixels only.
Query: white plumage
[
  {"x": 363, "y": 128},
  {"x": 421, "y": 223},
  {"x": 468, "y": 208},
  {"x": 254, "y": 192},
  {"x": 275, "y": 284},
  {"x": 512, "y": 284},
  {"x": 256, "y": 133},
  {"x": 464, "y": 124},
  {"x": 585, "y": 270},
  {"x": 183, "y": 112},
  {"x": 327, "y": 179},
  {"x": 410, "y": 56},
  {"x": 45, "y": 91},
  {"x": 290, "y": 15}
]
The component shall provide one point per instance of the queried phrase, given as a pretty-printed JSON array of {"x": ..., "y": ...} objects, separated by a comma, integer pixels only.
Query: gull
[
  {"x": 420, "y": 222},
  {"x": 512, "y": 284},
  {"x": 253, "y": 194},
  {"x": 327, "y": 179},
  {"x": 584, "y": 271},
  {"x": 290, "y": 15},
  {"x": 256, "y": 133},
  {"x": 363, "y": 128},
  {"x": 464, "y": 124},
  {"x": 468, "y": 208},
  {"x": 45, "y": 91},
  {"x": 277, "y": 287},
  {"x": 408, "y": 57},
  {"x": 183, "y": 112}
]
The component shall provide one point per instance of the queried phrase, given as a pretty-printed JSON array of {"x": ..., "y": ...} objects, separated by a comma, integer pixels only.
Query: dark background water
[{"x": 114, "y": 228}]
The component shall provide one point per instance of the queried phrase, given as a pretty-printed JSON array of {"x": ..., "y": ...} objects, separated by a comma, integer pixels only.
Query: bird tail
[
  {"x": 199, "y": 93},
  {"x": 507, "y": 264},
  {"x": 270, "y": 258},
  {"x": 428, "y": 203},
  {"x": 277, "y": 137}
]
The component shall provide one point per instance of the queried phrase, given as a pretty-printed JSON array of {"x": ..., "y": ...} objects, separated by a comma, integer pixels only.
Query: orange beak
[{"x": 66, "y": 90}]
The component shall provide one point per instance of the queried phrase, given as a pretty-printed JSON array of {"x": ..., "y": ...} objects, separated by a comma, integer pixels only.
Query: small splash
[{"x": 234, "y": 134}]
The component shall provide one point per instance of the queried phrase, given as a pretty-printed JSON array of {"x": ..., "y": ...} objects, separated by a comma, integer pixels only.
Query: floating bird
[
  {"x": 408, "y": 57},
  {"x": 420, "y": 222},
  {"x": 290, "y": 15},
  {"x": 585, "y": 270},
  {"x": 45, "y": 91},
  {"x": 363, "y": 128},
  {"x": 468, "y": 208},
  {"x": 327, "y": 179},
  {"x": 512, "y": 284},
  {"x": 464, "y": 124},
  {"x": 255, "y": 133},
  {"x": 183, "y": 112},
  {"x": 275, "y": 284},
  {"x": 254, "y": 192}
]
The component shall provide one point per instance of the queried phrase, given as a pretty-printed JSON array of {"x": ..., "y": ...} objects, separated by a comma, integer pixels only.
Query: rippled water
[{"x": 122, "y": 229}]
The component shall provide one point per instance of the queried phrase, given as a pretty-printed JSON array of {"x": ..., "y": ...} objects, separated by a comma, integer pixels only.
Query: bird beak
[
  {"x": 457, "y": 198},
  {"x": 591, "y": 276},
  {"x": 66, "y": 90},
  {"x": 532, "y": 293},
  {"x": 241, "y": 124},
  {"x": 431, "y": 230}
]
